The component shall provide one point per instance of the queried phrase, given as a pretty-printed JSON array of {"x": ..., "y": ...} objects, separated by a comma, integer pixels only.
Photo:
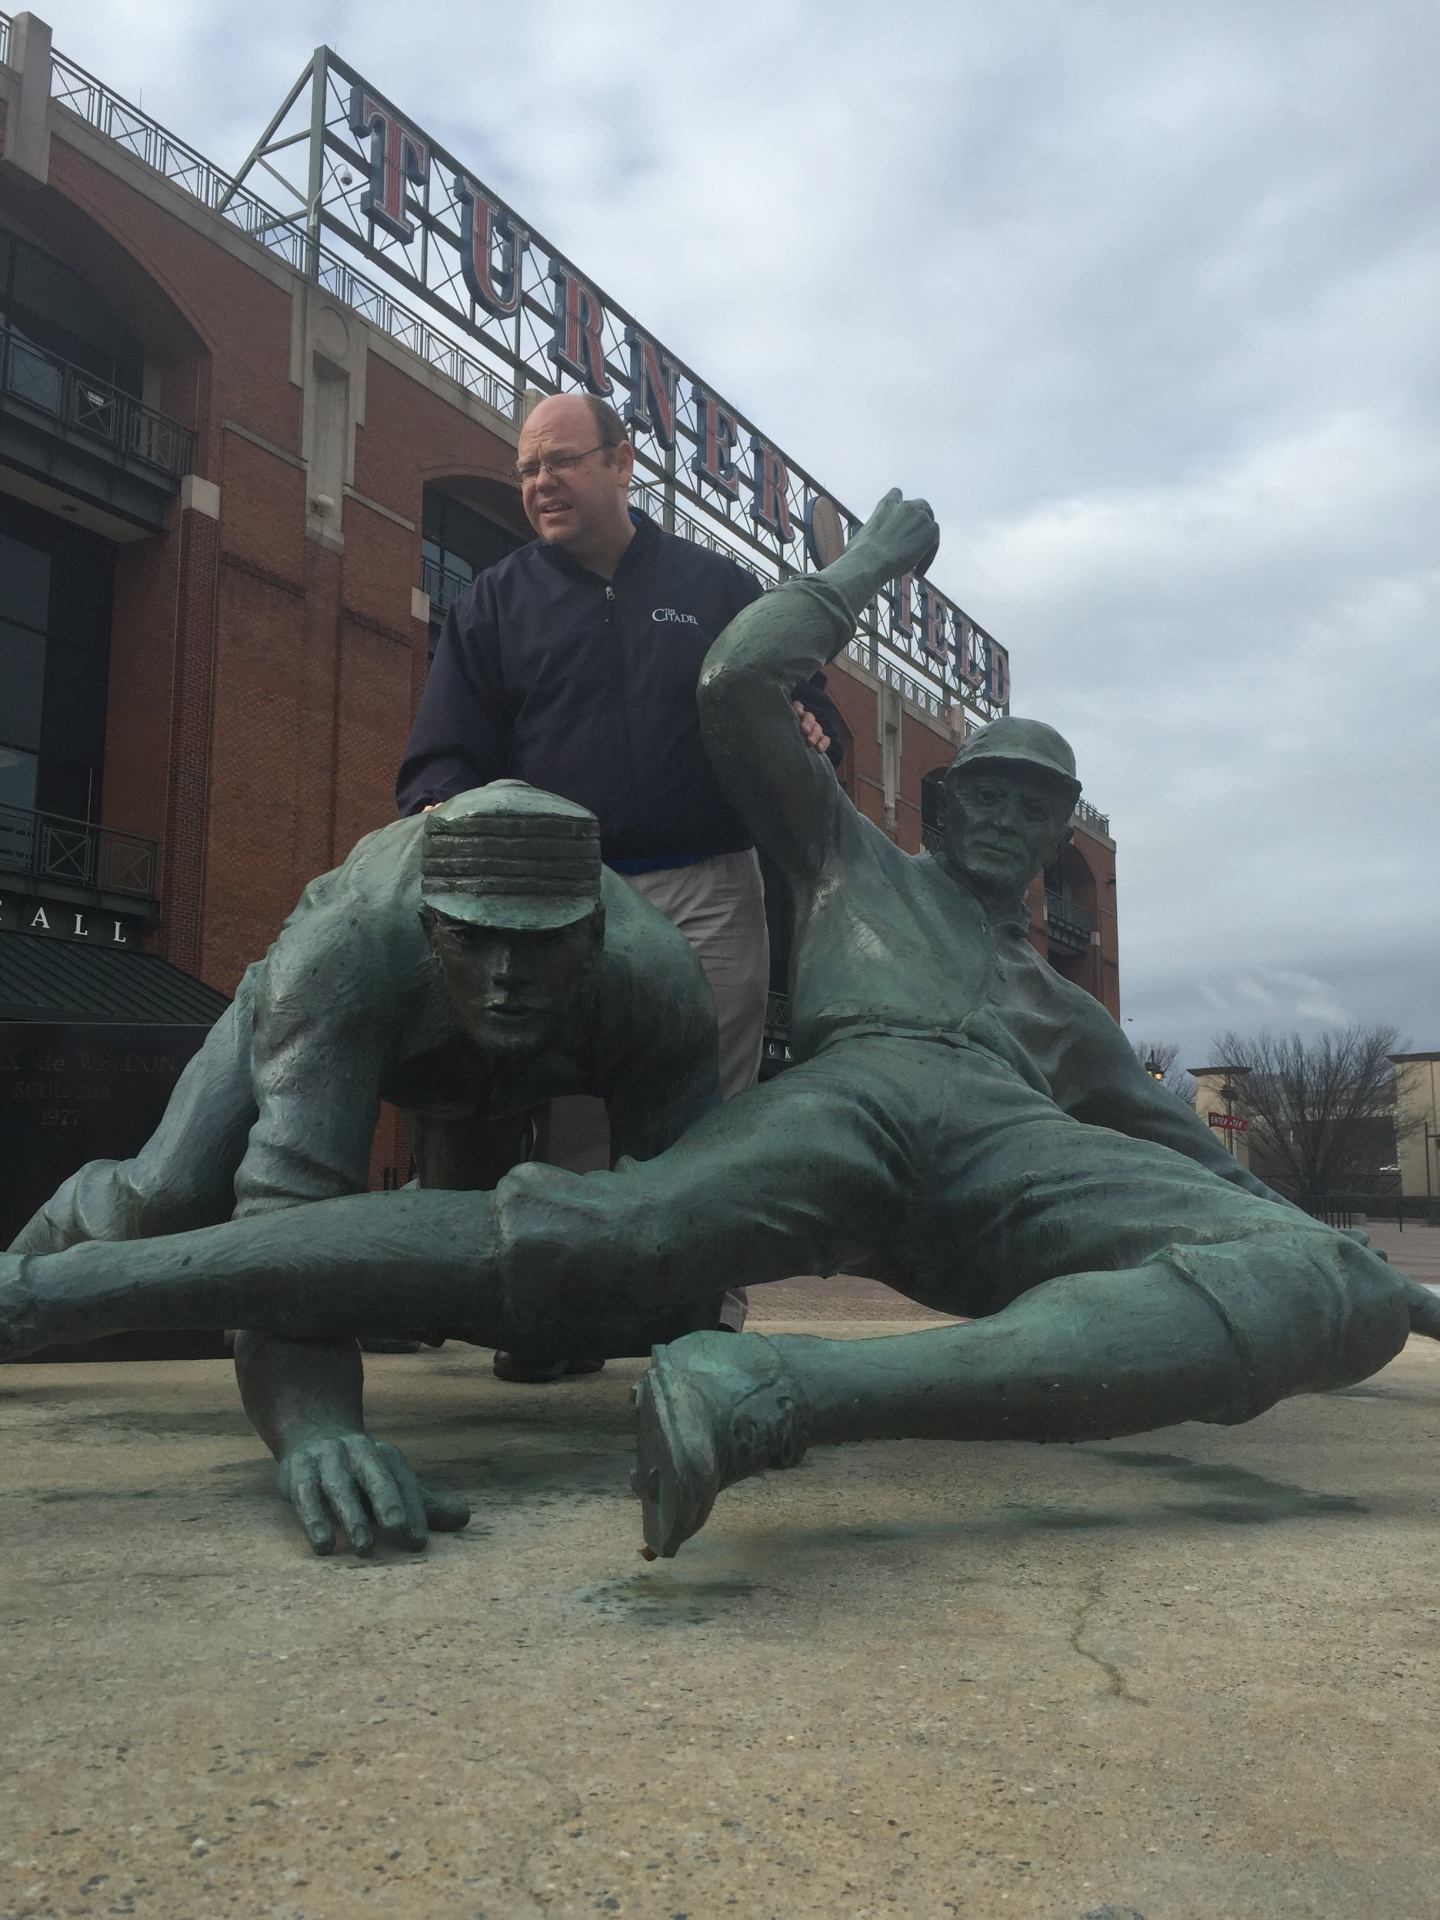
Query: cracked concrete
[
  {"x": 1092, "y": 1595},
  {"x": 1185, "y": 1677}
]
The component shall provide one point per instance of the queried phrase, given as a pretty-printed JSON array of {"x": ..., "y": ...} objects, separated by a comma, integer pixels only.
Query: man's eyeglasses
[{"x": 554, "y": 463}]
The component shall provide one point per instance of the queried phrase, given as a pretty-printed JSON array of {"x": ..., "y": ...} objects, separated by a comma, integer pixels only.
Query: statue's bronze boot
[{"x": 714, "y": 1408}]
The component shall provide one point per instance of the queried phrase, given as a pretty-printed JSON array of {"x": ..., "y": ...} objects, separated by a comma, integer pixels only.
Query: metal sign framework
[
  {"x": 362, "y": 175},
  {"x": 501, "y": 310}
]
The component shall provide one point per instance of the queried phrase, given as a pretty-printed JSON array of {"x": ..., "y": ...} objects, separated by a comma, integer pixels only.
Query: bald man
[{"x": 573, "y": 664}]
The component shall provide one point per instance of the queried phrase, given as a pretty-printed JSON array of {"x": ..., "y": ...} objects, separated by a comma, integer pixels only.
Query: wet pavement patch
[
  {"x": 1237, "y": 1497},
  {"x": 668, "y": 1599}
]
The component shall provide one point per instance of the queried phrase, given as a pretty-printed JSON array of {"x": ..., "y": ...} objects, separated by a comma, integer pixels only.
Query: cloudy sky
[{"x": 1142, "y": 295}]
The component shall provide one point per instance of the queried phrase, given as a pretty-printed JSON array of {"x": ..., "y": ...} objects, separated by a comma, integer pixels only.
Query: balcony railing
[
  {"x": 34, "y": 381},
  {"x": 42, "y": 846},
  {"x": 1067, "y": 924},
  {"x": 1089, "y": 816},
  {"x": 443, "y": 584}
]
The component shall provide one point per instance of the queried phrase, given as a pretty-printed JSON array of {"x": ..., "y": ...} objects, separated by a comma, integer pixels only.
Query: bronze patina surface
[
  {"x": 467, "y": 966},
  {"x": 962, "y": 1123}
]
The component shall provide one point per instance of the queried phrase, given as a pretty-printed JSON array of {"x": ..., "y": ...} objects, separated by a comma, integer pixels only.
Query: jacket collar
[{"x": 641, "y": 548}]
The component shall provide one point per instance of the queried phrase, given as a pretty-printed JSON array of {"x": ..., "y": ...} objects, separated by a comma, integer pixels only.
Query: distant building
[{"x": 1417, "y": 1113}]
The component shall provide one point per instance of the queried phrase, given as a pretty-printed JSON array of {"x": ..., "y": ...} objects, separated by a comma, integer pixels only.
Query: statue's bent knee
[
  {"x": 1303, "y": 1311},
  {"x": 568, "y": 1241}
]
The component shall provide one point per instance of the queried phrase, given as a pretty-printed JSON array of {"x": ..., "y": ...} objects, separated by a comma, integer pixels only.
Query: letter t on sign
[{"x": 397, "y": 154}]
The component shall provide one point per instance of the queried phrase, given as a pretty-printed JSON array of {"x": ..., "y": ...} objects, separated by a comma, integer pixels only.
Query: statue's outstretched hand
[
  {"x": 900, "y": 535},
  {"x": 367, "y": 1486}
]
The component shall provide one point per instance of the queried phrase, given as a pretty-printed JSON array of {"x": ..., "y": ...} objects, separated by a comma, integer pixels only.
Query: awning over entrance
[{"x": 68, "y": 981}]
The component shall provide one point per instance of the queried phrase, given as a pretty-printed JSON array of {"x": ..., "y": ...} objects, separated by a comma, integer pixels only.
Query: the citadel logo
[{"x": 680, "y": 619}]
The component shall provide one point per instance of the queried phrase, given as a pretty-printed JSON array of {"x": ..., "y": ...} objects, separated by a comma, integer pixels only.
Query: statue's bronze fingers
[
  {"x": 416, "y": 1517},
  {"x": 345, "y": 1502},
  {"x": 398, "y": 1510},
  {"x": 306, "y": 1500}
]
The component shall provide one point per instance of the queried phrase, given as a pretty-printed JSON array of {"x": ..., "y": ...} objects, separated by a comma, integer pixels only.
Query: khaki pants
[{"x": 719, "y": 906}]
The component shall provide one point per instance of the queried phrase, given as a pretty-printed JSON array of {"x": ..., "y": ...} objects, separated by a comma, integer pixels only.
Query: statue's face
[
  {"x": 513, "y": 989},
  {"x": 1002, "y": 824}
]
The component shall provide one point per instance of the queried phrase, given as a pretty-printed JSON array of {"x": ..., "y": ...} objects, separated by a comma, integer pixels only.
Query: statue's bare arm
[
  {"x": 325, "y": 1013},
  {"x": 304, "y": 1399},
  {"x": 786, "y": 793}
]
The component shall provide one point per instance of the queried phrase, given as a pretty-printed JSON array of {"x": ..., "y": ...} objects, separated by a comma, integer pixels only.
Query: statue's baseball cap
[
  {"x": 1026, "y": 743},
  {"x": 508, "y": 855}
]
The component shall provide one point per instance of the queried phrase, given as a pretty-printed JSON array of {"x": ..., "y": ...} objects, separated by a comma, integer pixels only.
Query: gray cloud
[{"x": 1142, "y": 296}]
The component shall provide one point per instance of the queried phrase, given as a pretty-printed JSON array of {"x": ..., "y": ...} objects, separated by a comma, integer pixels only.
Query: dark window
[
  {"x": 55, "y": 584},
  {"x": 22, "y": 676},
  {"x": 24, "y": 583},
  {"x": 17, "y": 780},
  {"x": 50, "y": 304},
  {"x": 457, "y": 544}
]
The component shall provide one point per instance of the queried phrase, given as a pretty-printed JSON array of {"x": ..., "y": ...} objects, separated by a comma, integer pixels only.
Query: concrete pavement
[{"x": 1185, "y": 1677}]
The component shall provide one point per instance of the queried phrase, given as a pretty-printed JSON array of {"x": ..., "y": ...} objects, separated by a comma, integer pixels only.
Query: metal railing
[
  {"x": 44, "y": 846},
  {"x": 1344, "y": 1209},
  {"x": 1089, "y": 816},
  {"x": 282, "y": 234},
  {"x": 443, "y": 584},
  {"x": 1069, "y": 924},
  {"x": 34, "y": 380}
]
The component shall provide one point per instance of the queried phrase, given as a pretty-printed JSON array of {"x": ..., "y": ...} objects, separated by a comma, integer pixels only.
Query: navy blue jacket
[{"x": 547, "y": 673}]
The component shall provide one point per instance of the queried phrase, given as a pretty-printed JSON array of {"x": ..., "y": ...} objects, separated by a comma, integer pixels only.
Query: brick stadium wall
[{"x": 262, "y": 685}]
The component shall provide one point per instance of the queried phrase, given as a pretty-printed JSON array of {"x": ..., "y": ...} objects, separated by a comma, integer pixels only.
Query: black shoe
[
  {"x": 539, "y": 1373},
  {"x": 714, "y": 1408}
]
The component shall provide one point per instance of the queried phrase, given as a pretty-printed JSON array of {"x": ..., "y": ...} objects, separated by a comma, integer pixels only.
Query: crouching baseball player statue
[
  {"x": 961, "y": 1123},
  {"x": 468, "y": 966}
]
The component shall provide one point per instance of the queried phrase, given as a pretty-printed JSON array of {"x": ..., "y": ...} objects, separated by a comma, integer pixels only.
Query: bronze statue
[
  {"x": 468, "y": 965},
  {"x": 961, "y": 1122}
]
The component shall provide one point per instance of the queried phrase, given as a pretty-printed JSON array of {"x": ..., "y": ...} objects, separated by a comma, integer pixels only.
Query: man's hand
[
  {"x": 815, "y": 734},
  {"x": 367, "y": 1486}
]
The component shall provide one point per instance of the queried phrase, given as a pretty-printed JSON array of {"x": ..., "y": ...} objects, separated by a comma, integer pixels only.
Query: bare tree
[
  {"x": 1163, "y": 1054},
  {"x": 1322, "y": 1111}
]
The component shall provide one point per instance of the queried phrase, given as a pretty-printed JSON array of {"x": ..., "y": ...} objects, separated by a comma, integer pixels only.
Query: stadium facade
[{"x": 256, "y": 431}]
